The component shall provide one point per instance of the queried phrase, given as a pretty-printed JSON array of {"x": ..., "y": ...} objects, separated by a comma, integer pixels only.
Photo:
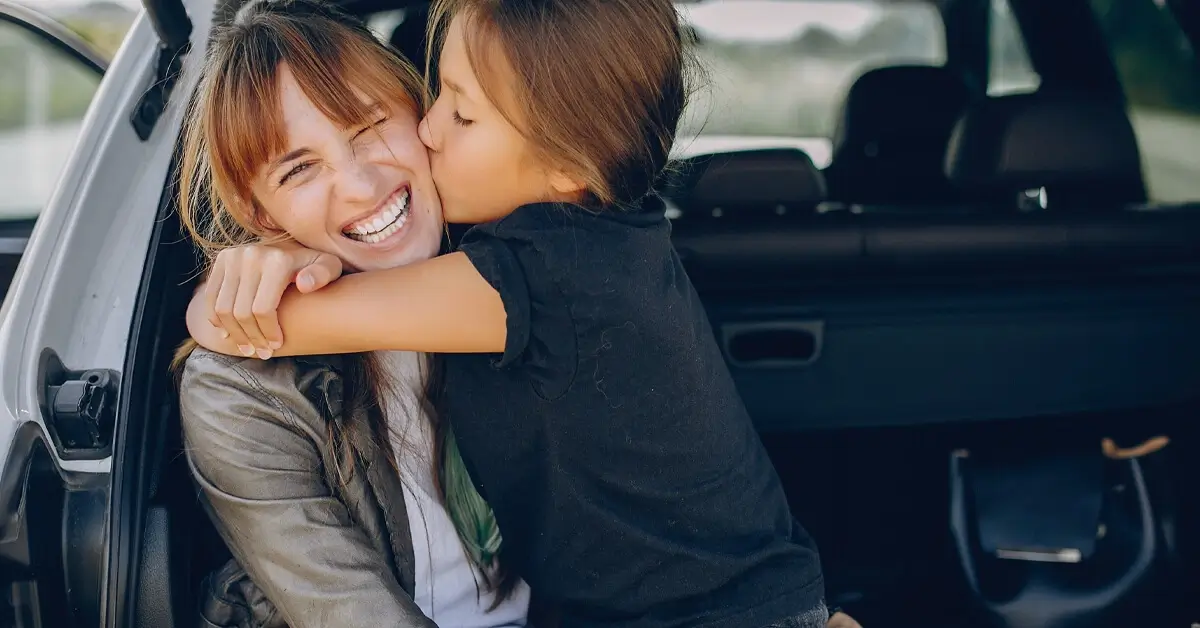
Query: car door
[
  {"x": 52, "y": 513},
  {"x": 48, "y": 76}
]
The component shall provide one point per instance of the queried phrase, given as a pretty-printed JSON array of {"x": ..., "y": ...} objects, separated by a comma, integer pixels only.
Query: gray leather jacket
[{"x": 308, "y": 550}]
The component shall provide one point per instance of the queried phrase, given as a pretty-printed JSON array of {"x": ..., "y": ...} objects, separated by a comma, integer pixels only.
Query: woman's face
[{"x": 364, "y": 194}]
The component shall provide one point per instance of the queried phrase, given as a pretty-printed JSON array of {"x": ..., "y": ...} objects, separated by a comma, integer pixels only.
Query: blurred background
[
  {"x": 45, "y": 93},
  {"x": 101, "y": 23},
  {"x": 776, "y": 73}
]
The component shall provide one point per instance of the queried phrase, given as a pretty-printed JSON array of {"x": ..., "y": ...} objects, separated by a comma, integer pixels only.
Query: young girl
[{"x": 589, "y": 398}]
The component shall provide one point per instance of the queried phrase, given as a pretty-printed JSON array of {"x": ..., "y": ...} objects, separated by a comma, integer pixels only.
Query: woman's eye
[
  {"x": 374, "y": 125},
  {"x": 297, "y": 169},
  {"x": 460, "y": 121}
]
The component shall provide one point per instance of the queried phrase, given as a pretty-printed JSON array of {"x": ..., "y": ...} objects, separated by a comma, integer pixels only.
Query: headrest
[
  {"x": 1082, "y": 146},
  {"x": 765, "y": 178},
  {"x": 890, "y": 140},
  {"x": 409, "y": 35}
]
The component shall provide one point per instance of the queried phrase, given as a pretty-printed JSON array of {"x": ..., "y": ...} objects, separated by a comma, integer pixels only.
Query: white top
[{"x": 449, "y": 588}]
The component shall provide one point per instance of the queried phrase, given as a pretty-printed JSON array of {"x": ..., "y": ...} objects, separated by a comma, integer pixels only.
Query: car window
[
  {"x": 384, "y": 22},
  {"x": 780, "y": 68},
  {"x": 44, "y": 94},
  {"x": 1159, "y": 73},
  {"x": 1009, "y": 69}
]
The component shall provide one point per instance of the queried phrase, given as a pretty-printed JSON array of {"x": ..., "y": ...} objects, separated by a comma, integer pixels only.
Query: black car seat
[
  {"x": 1060, "y": 534},
  {"x": 409, "y": 35},
  {"x": 890, "y": 141},
  {"x": 1078, "y": 151}
]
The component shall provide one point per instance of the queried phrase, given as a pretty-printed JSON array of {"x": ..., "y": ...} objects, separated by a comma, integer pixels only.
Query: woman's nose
[
  {"x": 357, "y": 182},
  {"x": 425, "y": 132}
]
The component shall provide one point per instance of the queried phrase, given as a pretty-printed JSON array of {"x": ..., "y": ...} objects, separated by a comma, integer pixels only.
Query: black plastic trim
[
  {"x": 51, "y": 533},
  {"x": 140, "y": 423}
]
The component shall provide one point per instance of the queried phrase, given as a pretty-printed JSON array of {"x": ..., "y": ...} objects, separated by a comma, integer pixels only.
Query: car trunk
[
  {"x": 873, "y": 372},
  {"x": 878, "y": 501}
]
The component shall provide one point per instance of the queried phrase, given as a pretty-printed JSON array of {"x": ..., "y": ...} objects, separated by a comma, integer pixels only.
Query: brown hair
[
  {"x": 610, "y": 124},
  {"x": 234, "y": 126}
]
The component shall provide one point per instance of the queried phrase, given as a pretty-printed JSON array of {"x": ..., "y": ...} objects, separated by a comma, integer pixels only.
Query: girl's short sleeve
[{"x": 515, "y": 256}]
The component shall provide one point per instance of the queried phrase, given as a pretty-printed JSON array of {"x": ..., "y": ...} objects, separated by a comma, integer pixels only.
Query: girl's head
[
  {"x": 551, "y": 100},
  {"x": 305, "y": 125}
]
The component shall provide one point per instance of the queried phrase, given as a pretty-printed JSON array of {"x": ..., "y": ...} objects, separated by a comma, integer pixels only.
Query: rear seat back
[
  {"x": 890, "y": 140},
  {"x": 860, "y": 317},
  {"x": 1080, "y": 151},
  {"x": 746, "y": 186}
]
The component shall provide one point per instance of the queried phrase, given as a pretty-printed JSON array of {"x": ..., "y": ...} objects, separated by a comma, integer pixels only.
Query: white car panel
[{"x": 77, "y": 287}]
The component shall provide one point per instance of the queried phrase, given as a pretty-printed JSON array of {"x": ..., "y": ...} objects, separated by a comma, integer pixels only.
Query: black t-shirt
[{"x": 625, "y": 474}]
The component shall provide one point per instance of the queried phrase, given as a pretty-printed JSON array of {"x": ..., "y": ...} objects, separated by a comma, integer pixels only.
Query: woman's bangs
[
  {"x": 330, "y": 67},
  {"x": 246, "y": 127},
  {"x": 350, "y": 80}
]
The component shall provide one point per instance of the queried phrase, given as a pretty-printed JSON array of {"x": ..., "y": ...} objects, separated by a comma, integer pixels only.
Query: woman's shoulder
[
  {"x": 209, "y": 367},
  {"x": 215, "y": 388}
]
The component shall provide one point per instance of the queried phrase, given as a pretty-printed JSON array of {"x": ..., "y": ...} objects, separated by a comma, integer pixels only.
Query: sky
[
  {"x": 54, "y": 4},
  {"x": 734, "y": 19},
  {"x": 778, "y": 19}
]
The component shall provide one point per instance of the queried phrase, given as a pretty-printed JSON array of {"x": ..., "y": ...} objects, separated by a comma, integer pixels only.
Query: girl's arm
[{"x": 442, "y": 305}]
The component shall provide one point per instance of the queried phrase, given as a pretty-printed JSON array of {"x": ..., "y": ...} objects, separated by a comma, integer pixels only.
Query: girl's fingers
[
  {"x": 318, "y": 272},
  {"x": 243, "y": 310},
  {"x": 277, "y": 276},
  {"x": 223, "y": 305}
]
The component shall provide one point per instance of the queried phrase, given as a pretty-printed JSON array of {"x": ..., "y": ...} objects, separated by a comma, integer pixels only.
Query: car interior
[{"x": 968, "y": 343}]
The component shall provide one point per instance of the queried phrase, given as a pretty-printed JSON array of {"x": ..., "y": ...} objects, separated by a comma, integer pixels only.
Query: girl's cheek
[{"x": 450, "y": 152}]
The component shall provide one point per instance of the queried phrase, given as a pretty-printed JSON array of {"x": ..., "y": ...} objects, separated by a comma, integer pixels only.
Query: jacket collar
[{"x": 386, "y": 489}]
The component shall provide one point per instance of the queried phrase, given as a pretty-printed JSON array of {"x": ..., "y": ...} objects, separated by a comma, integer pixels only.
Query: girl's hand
[{"x": 241, "y": 296}]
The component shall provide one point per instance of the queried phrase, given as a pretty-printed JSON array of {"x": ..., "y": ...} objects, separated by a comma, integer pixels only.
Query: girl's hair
[
  {"x": 596, "y": 86},
  {"x": 234, "y": 126}
]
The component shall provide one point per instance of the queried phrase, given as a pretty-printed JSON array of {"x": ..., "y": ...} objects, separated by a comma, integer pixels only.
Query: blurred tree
[
  {"x": 817, "y": 40},
  {"x": 1153, "y": 57},
  {"x": 895, "y": 35}
]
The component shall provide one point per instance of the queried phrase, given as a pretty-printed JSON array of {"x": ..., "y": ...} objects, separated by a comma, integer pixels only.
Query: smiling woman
[
  {"x": 304, "y": 129},
  {"x": 280, "y": 168}
]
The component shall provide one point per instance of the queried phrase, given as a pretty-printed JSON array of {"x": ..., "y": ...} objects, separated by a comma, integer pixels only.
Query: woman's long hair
[{"x": 234, "y": 125}]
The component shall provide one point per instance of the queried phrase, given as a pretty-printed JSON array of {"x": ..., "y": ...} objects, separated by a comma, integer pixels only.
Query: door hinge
[
  {"x": 153, "y": 102},
  {"x": 174, "y": 28},
  {"x": 79, "y": 408}
]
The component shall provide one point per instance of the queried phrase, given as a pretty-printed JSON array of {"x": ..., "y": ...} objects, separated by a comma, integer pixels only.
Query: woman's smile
[{"x": 384, "y": 226}]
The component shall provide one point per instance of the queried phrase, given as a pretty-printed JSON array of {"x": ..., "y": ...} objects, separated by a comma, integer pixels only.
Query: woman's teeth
[{"x": 384, "y": 224}]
